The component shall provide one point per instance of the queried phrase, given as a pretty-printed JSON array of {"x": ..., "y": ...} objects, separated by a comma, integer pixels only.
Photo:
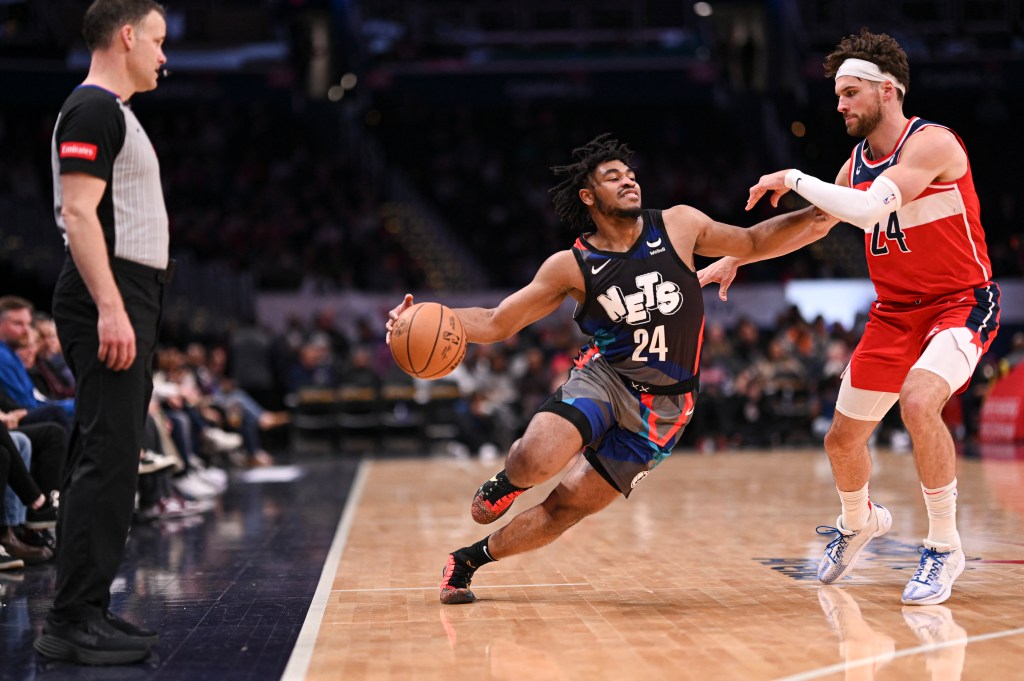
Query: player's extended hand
[
  {"x": 775, "y": 183},
  {"x": 395, "y": 313},
  {"x": 117, "y": 340},
  {"x": 723, "y": 271}
]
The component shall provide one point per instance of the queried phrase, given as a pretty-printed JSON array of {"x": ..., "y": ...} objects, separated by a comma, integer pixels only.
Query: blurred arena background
[{"x": 321, "y": 158}]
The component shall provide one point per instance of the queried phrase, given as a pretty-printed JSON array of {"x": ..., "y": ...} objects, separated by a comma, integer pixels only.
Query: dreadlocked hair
[
  {"x": 565, "y": 195},
  {"x": 879, "y": 48}
]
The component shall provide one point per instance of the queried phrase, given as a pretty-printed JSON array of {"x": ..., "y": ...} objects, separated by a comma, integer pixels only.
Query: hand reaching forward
[
  {"x": 394, "y": 314},
  {"x": 775, "y": 183},
  {"x": 723, "y": 271}
]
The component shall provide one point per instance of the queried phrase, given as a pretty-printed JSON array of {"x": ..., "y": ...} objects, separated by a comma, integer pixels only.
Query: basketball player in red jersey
[
  {"x": 908, "y": 185},
  {"x": 634, "y": 385}
]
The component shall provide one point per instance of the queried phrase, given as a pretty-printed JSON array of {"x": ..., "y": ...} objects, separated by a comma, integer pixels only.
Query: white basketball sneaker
[
  {"x": 841, "y": 553},
  {"x": 932, "y": 583}
]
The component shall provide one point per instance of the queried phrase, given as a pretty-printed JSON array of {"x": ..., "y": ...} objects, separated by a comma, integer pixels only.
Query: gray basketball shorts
[{"x": 625, "y": 433}]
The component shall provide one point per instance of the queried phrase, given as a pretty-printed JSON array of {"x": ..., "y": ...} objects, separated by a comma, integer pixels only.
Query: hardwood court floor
[{"x": 707, "y": 572}]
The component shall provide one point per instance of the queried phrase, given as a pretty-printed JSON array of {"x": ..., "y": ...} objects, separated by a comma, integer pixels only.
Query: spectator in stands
[
  {"x": 48, "y": 450},
  {"x": 50, "y": 362},
  {"x": 196, "y": 426},
  {"x": 242, "y": 413},
  {"x": 17, "y": 523},
  {"x": 251, "y": 366},
  {"x": 314, "y": 367},
  {"x": 15, "y": 473},
  {"x": 325, "y": 323},
  {"x": 15, "y": 330},
  {"x": 784, "y": 381},
  {"x": 28, "y": 353},
  {"x": 159, "y": 499},
  {"x": 533, "y": 386},
  {"x": 1016, "y": 353},
  {"x": 755, "y": 412}
]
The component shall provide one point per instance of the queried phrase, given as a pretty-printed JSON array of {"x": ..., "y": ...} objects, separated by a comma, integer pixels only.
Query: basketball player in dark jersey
[{"x": 634, "y": 385}]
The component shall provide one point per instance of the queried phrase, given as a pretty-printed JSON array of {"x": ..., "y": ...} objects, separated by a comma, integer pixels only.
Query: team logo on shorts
[{"x": 639, "y": 476}]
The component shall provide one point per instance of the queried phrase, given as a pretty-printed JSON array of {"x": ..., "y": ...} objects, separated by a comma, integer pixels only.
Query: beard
[
  {"x": 865, "y": 124},
  {"x": 615, "y": 211}
]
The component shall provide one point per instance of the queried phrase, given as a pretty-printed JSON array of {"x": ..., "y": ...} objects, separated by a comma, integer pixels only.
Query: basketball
[{"x": 428, "y": 341}]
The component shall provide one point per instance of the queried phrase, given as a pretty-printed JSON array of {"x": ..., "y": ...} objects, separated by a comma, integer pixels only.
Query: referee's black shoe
[
  {"x": 95, "y": 641},
  {"x": 133, "y": 630}
]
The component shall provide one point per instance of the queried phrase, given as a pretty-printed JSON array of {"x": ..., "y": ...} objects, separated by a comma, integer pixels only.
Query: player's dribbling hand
[
  {"x": 723, "y": 271},
  {"x": 775, "y": 183},
  {"x": 394, "y": 314}
]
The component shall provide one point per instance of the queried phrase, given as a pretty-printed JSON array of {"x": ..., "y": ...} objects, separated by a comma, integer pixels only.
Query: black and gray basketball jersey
[
  {"x": 643, "y": 310},
  {"x": 97, "y": 134}
]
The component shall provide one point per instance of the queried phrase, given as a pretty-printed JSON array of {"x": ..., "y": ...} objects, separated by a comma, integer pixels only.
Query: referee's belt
[
  {"x": 163, "y": 276},
  {"x": 681, "y": 388}
]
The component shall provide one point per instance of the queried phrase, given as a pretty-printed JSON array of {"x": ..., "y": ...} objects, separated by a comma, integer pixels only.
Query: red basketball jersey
[{"x": 933, "y": 245}]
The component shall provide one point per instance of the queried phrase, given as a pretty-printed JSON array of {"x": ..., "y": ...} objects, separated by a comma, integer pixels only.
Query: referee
[{"x": 107, "y": 303}]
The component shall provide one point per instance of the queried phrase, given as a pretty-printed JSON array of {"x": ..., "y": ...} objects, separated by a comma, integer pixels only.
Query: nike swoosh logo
[
  {"x": 655, "y": 244},
  {"x": 690, "y": 411},
  {"x": 595, "y": 269}
]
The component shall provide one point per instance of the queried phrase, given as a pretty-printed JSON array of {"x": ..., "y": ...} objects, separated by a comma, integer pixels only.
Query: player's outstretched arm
[
  {"x": 768, "y": 239},
  {"x": 556, "y": 278},
  {"x": 931, "y": 155}
]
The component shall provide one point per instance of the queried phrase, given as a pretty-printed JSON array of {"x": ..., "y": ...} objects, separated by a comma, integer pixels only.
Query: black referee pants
[{"x": 101, "y": 474}]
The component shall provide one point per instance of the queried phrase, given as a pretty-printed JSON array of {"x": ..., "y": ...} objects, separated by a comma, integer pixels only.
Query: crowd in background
[
  {"x": 760, "y": 387},
  {"x": 199, "y": 424}
]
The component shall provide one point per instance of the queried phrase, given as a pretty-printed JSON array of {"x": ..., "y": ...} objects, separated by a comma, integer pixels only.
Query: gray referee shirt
[{"x": 97, "y": 134}]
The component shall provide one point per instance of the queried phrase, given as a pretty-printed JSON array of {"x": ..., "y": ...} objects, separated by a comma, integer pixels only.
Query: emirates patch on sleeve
[{"x": 81, "y": 150}]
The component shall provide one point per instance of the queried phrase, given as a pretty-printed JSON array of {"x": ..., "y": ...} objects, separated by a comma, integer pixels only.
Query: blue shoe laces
[
  {"x": 938, "y": 561},
  {"x": 838, "y": 544}
]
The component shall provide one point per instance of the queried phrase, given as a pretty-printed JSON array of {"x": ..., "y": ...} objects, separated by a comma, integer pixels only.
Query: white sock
[
  {"x": 941, "y": 505},
  {"x": 856, "y": 508}
]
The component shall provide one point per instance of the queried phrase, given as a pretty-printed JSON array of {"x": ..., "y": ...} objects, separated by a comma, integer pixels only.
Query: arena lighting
[
  {"x": 335, "y": 93},
  {"x": 349, "y": 80},
  {"x": 798, "y": 129},
  {"x": 702, "y": 9}
]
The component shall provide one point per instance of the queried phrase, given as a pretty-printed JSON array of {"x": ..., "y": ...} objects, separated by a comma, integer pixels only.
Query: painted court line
[
  {"x": 863, "y": 662},
  {"x": 302, "y": 654},
  {"x": 475, "y": 588}
]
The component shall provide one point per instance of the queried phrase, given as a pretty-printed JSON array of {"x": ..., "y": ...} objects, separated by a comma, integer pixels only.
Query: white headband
[{"x": 867, "y": 70}]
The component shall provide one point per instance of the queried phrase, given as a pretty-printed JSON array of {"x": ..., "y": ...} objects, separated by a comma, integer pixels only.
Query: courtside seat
[{"x": 314, "y": 412}]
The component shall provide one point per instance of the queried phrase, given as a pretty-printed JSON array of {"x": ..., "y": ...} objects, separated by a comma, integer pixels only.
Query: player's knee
[
  {"x": 837, "y": 440},
  {"x": 531, "y": 463},
  {"x": 917, "y": 406}
]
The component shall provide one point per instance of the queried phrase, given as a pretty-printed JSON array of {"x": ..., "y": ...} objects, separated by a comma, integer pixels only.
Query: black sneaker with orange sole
[
  {"x": 494, "y": 498},
  {"x": 455, "y": 580}
]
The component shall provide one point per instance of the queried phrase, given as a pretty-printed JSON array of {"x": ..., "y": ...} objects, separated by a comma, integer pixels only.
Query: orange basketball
[{"x": 428, "y": 341}]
